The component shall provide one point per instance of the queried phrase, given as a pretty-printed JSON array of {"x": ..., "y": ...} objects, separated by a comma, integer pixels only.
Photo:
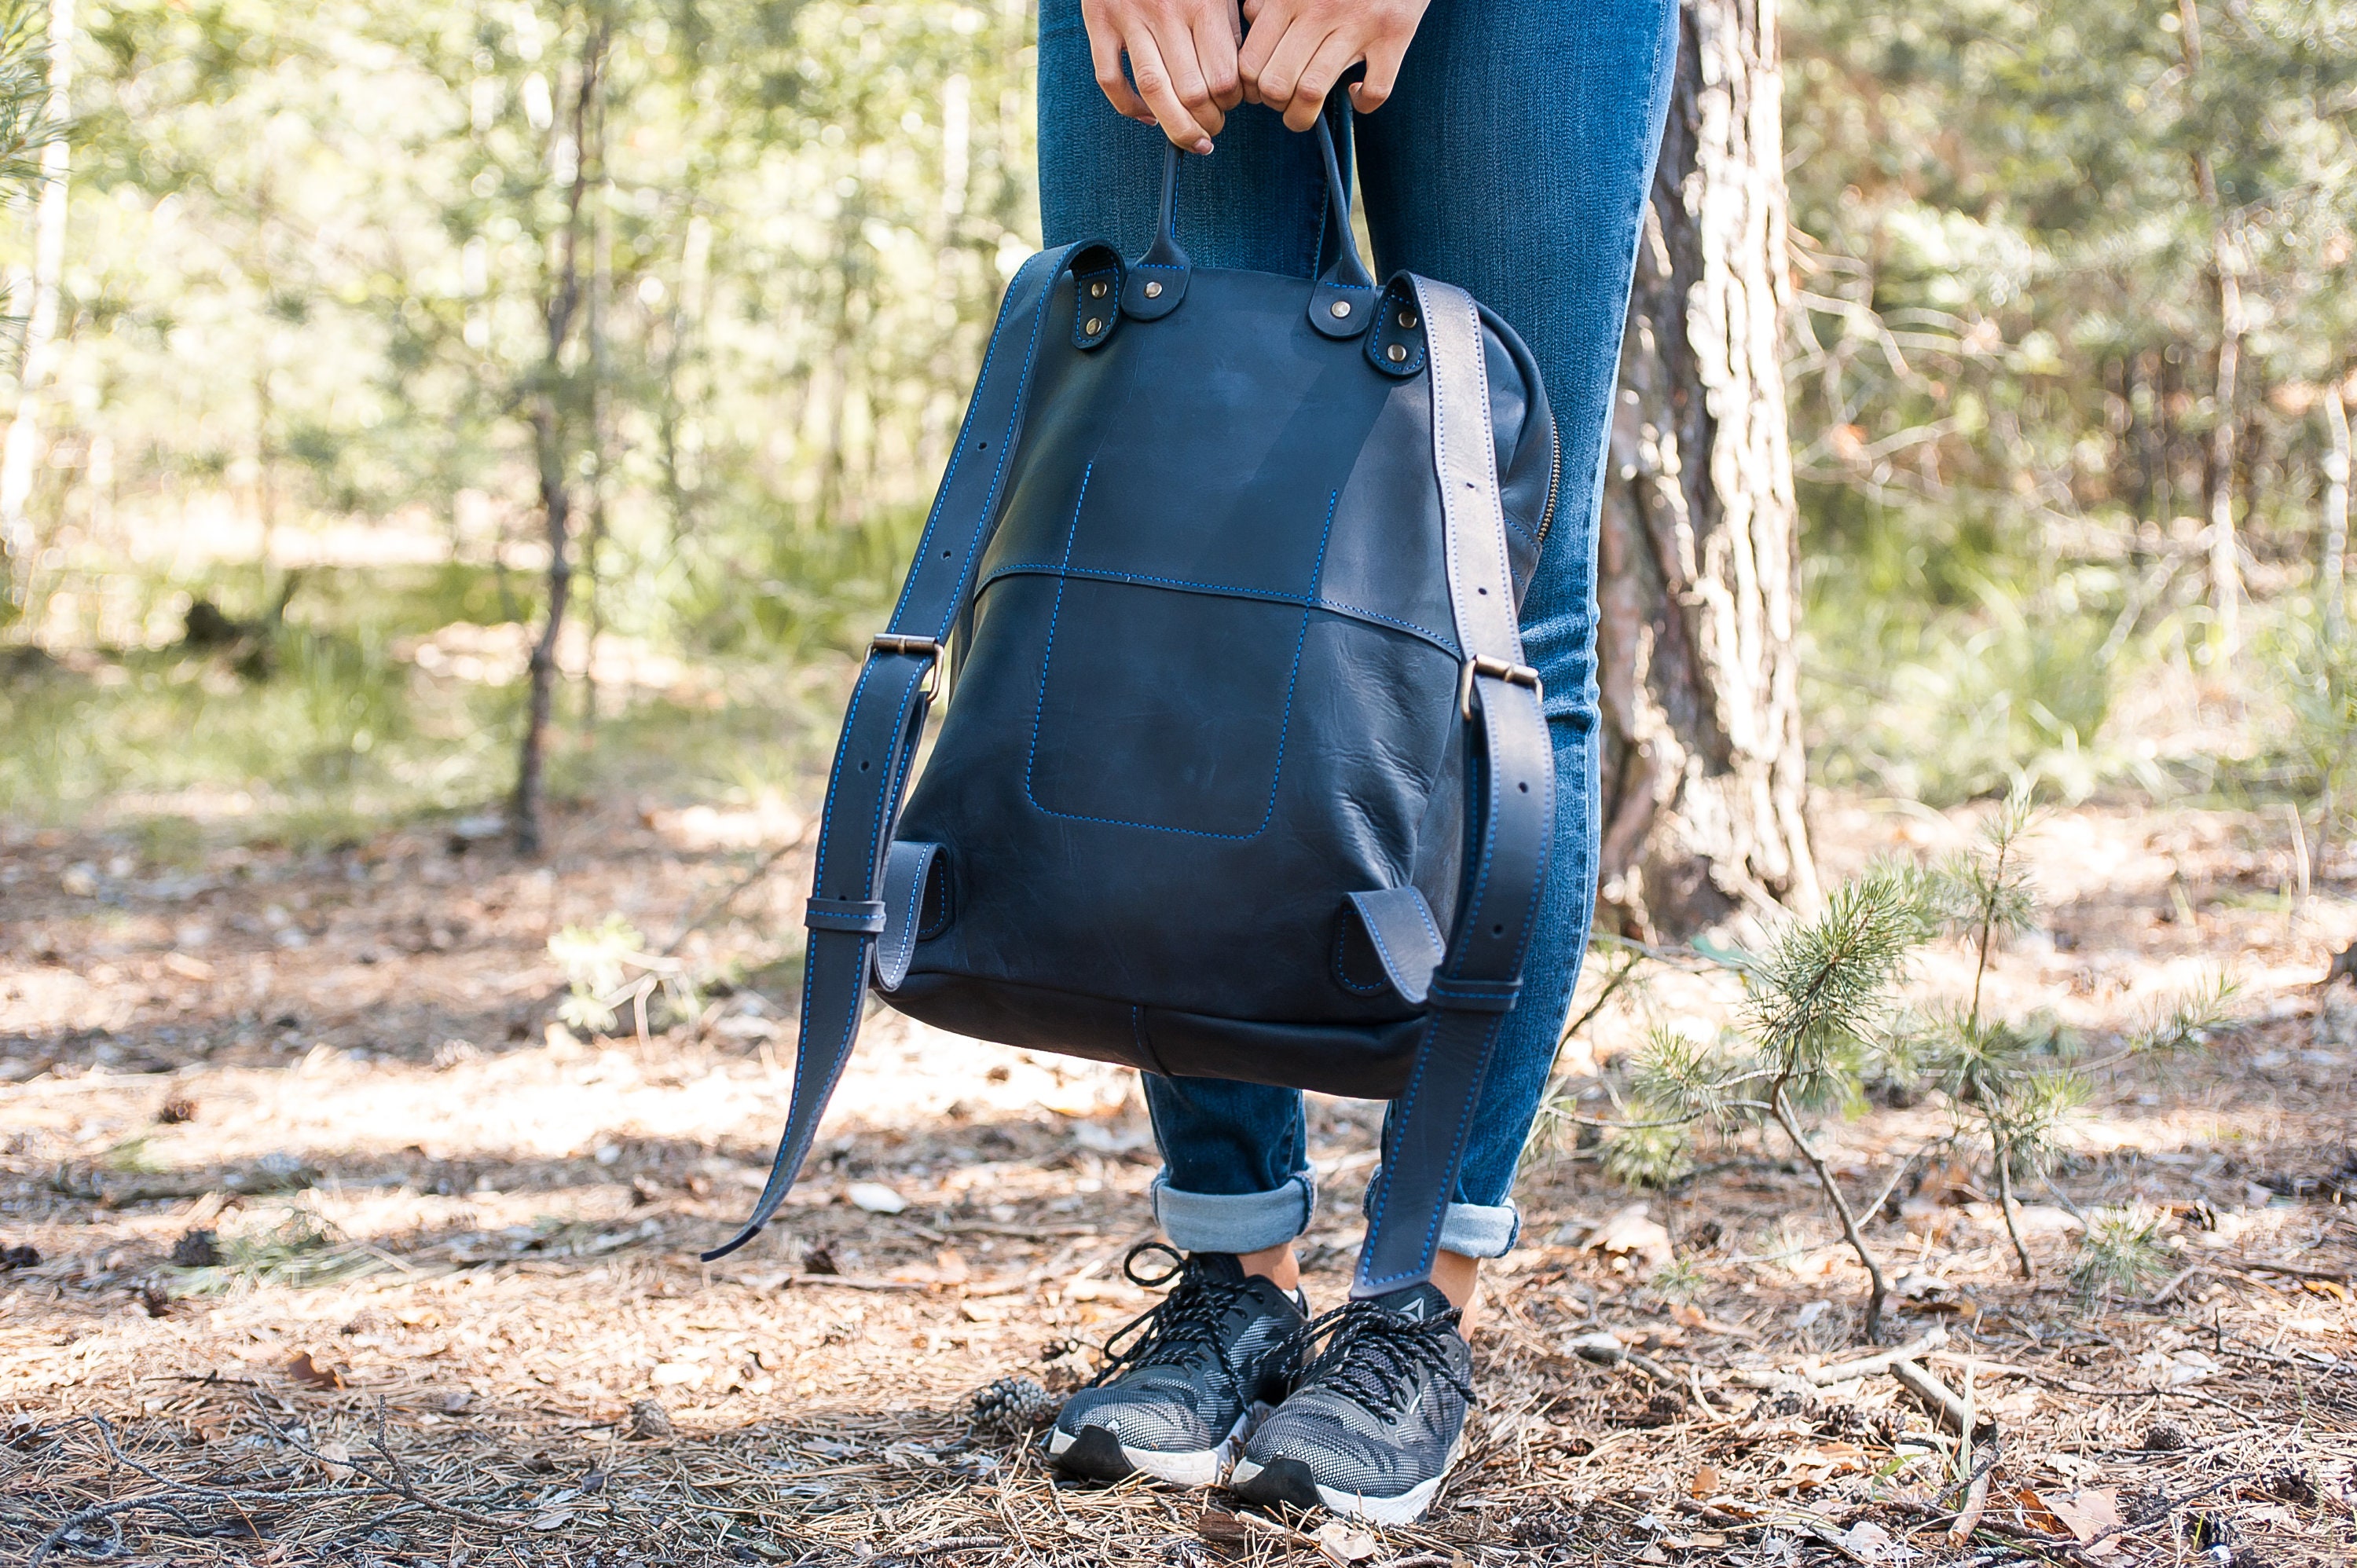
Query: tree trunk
[
  {"x": 2332, "y": 584},
  {"x": 2225, "y": 550},
  {"x": 22, "y": 449},
  {"x": 1704, "y": 769},
  {"x": 553, "y": 418}
]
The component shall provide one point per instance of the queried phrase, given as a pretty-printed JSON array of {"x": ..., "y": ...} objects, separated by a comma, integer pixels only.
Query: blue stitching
[
  {"x": 1292, "y": 681},
  {"x": 1089, "y": 573},
  {"x": 826, "y": 814},
  {"x": 1014, "y": 424},
  {"x": 941, "y": 497},
  {"x": 1341, "y": 931},
  {"x": 1383, "y": 949}
]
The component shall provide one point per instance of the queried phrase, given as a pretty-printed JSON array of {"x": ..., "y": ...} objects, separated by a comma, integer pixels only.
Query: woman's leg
[
  {"x": 1235, "y": 1172},
  {"x": 1514, "y": 161}
]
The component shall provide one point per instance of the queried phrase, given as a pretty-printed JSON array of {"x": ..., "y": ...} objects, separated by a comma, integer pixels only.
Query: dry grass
[{"x": 453, "y": 1305}]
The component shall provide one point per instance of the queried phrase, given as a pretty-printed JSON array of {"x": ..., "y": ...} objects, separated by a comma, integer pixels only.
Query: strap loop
[
  {"x": 860, "y": 917},
  {"x": 1476, "y": 996}
]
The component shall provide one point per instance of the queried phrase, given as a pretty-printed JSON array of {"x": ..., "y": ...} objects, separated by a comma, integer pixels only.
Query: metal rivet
[
  {"x": 1154, "y": 291},
  {"x": 1096, "y": 324},
  {"x": 1396, "y": 353},
  {"x": 1408, "y": 318},
  {"x": 1097, "y": 291},
  {"x": 1342, "y": 308}
]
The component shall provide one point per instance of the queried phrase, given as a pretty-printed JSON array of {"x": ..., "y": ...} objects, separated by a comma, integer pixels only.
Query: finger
[
  {"x": 1281, "y": 77},
  {"x": 1382, "y": 74},
  {"x": 1325, "y": 68},
  {"x": 1215, "y": 55},
  {"x": 1181, "y": 48},
  {"x": 1105, "y": 55},
  {"x": 1153, "y": 78},
  {"x": 1270, "y": 21}
]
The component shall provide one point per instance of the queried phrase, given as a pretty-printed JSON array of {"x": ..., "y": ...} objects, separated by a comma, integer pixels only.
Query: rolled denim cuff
[
  {"x": 1234, "y": 1222},
  {"x": 1480, "y": 1230}
]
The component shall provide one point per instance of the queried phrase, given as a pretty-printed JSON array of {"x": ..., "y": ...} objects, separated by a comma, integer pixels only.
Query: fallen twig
[
  {"x": 1976, "y": 1491},
  {"x": 1945, "y": 1402},
  {"x": 1869, "y": 1366}
]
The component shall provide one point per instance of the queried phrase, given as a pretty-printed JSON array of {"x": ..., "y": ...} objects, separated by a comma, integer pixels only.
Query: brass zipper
[{"x": 1555, "y": 480}]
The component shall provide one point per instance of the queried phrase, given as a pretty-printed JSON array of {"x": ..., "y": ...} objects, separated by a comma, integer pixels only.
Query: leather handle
[
  {"x": 1342, "y": 302},
  {"x": 1158, "y": 280}
]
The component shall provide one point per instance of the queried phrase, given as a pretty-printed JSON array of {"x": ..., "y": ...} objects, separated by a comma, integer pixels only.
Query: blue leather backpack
[{"x": 1223, "y": 574}]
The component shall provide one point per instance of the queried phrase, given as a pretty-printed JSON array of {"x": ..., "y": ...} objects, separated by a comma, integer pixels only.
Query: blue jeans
[{"x": 1513, "y": 160}]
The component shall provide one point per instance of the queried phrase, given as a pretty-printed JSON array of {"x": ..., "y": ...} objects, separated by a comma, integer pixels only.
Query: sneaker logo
[{"x": 1413, "y": 1309}]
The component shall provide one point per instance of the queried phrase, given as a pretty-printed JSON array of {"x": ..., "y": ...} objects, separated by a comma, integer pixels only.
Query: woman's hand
[
  {"x": 1182, "y": 54},
  {"x": 1298, "y": 49}
]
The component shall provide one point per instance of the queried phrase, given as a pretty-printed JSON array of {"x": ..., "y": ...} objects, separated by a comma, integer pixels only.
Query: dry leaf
[
  {"x": 554, "y": 1518},
  {"x": 1220, "y": 1527},
  {"x": 304, "y": 1369},
  {"x": 1812, "y": 1465},
  {"x": 335, "y": 1455},
  {"x": 1706, "y": 1481},
  {"x": 2087, "y": 1514},
  {"x": 1869, "y": 1542},
  {"x": 1633, "y": 1231},
  {"x": 951, "y": 1265},
  {"x": 1343, "y": 1544}
]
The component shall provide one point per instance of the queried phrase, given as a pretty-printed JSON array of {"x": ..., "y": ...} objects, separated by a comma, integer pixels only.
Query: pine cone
[{"x": 1012, "y": 1405}]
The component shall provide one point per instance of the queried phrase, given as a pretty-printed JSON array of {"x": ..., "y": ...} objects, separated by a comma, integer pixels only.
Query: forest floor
[{"x": 437, "y": 1299}]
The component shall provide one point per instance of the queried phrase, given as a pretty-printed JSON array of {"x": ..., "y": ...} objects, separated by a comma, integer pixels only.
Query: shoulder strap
[
  {"x": 1510, "y": 816},
  {"x": 887, "y": 717}
]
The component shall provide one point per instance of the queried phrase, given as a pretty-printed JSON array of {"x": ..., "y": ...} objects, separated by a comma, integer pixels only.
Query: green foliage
[
  {"x": 304, "y": 1250},
  {"x": 2122, "y": 1251},
  {"x": 1818, "y": 1003},
  {"x": 2004, "y": 382},
  {"x": 1650, "y": 1150}
]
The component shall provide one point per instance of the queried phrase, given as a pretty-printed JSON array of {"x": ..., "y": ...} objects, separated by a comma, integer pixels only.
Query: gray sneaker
[
  {"x": 1374, "y": 1422},
  {"x": 1196, "y": 1372}
]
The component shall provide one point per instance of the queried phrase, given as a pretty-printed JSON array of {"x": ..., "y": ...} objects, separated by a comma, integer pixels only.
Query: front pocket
[{"x": 1164, "y": 709}]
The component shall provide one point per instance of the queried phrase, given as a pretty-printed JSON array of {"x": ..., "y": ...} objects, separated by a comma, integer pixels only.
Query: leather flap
[
  {"x": 916, "y": 905},
  {"x": 1399, "y": 925},
  {"x": 1342, "y": 310},
  {"x": 1096, "y": 295},
  {"x": 1395, "y": 346},
  {"x": 1154, "y": 289}
]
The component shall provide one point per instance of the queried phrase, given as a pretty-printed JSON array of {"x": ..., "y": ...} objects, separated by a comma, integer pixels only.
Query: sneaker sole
[
  {"x": 1290, "y": 1480},
  {"x": 1094, "y": 1454}
]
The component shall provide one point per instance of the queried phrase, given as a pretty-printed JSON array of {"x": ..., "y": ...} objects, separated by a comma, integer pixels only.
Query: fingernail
[{"x": 1203, "y": 147}]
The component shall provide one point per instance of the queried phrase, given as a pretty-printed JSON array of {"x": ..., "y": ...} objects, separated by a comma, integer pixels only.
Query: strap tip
[{"x": 730, "y": 1246}]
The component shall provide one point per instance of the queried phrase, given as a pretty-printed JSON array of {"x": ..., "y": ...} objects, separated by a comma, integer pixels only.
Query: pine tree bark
[{"x": 1703, "y": 770}]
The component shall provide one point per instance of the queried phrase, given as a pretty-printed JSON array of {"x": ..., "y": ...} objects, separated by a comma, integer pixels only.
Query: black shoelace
[
  {"x": 1372, "y": 1353},
  {"x": 1180, "y": 1328}
]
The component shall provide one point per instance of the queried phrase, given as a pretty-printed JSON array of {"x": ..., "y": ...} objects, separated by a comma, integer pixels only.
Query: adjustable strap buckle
[
  {"x": 1497, "y": 669},
  {"x": 926, "y": 648}
]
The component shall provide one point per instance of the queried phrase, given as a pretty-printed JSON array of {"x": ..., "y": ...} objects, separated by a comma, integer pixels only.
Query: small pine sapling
[
  {"x": 2003, "y": 1076},
  {"x": 2013, "y": 1080},
  {"x": 1816, "y": 1005}
]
